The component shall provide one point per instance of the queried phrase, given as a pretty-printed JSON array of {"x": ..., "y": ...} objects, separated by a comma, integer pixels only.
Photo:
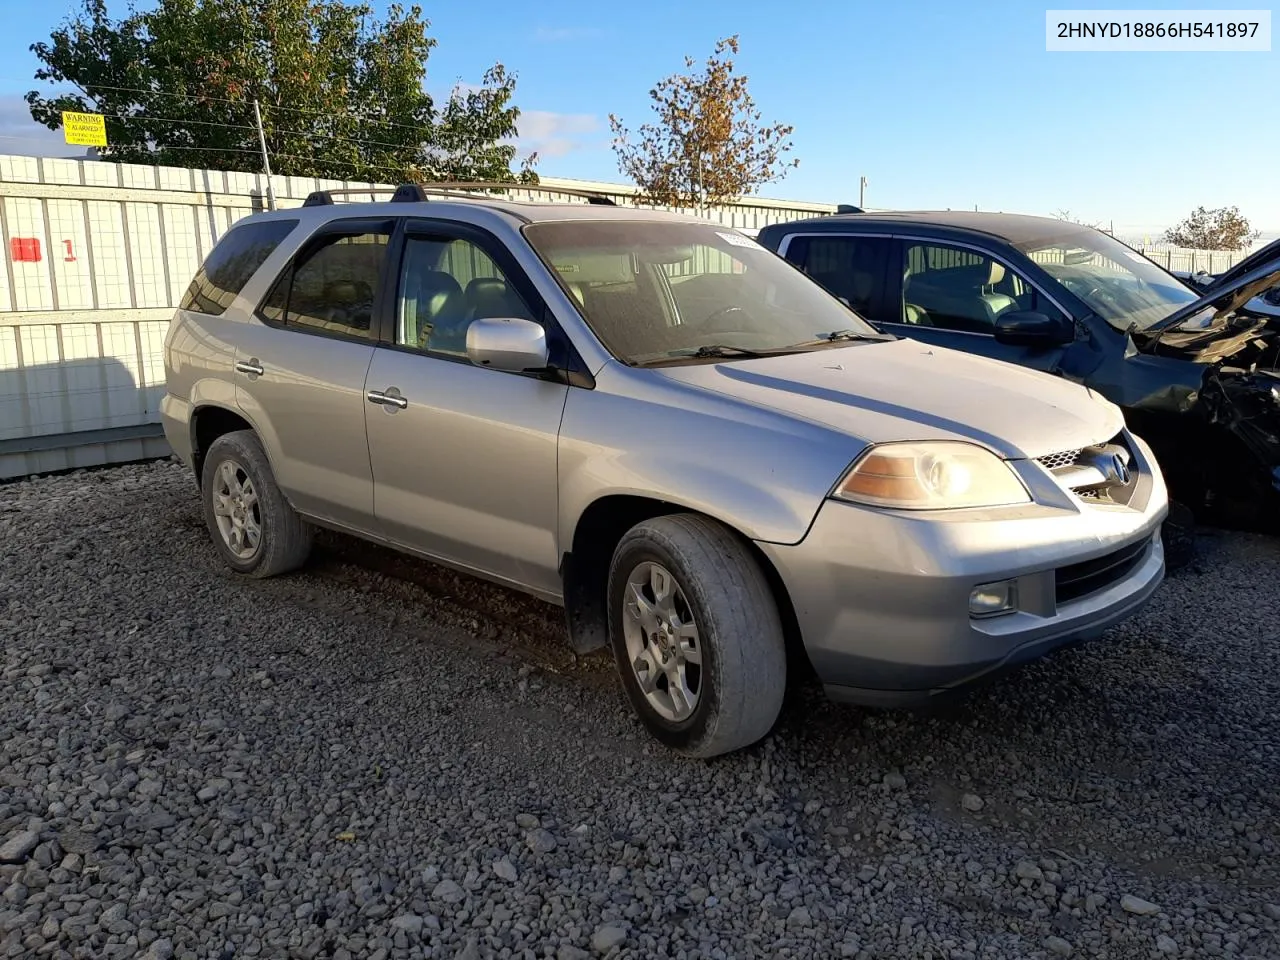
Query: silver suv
[{"x": 717, "y": 468}]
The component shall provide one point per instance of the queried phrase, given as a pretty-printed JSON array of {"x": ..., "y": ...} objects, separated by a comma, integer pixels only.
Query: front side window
[
  {"x": 1115, "y": 282},
  {"x": 444, "y": 285},
  {"x": 332, "y": 287},
  {"x": 658, "y": 292},
  {"x": 954, "y": 288},
  {"x": 232, "y": 262}
]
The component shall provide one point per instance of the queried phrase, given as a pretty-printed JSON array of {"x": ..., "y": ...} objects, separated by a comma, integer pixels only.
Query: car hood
[
  {"x": 1227, "y": 297},
  {"x": 1262, "y": 255},
  {"x": 906, "y": 390}
]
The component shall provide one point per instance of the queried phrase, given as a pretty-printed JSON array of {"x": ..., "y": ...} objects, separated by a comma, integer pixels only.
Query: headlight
[{"x": 931, "y": 475}]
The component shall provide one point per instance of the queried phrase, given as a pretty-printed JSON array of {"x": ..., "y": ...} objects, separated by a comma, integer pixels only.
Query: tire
[
  {"x": 1179, "y": 537},
  {"x": 283, "y": 539},
  {"x": 741, "y": 674}
]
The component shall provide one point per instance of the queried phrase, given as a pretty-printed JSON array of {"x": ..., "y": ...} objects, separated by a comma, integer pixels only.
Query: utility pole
[
  {"x": 862, "y": 193},
  {"x": 266, "y": 160}
]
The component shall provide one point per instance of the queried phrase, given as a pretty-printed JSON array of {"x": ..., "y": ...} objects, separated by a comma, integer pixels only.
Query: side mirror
[
  {"x": 507, "y": 343},
  {"x": 1030, "y": 328}
]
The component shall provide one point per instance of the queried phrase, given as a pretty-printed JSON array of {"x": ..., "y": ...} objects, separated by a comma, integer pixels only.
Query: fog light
[{"x": 990, "y": 599}]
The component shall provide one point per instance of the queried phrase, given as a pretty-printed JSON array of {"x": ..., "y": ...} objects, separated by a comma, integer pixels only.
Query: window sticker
[{"x": 737, "y": 239}]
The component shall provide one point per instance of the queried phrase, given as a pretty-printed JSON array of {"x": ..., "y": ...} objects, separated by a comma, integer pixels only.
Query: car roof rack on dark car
[{"x": 420, "y": 192}]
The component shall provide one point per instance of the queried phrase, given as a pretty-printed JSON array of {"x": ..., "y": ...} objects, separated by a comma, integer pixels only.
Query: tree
[
  {"x": 1066, "y": 215},
  {"x": 341, "y": 91},
  {"x": 1221, "y": 229},
  {"x": 708, "y": 145}
]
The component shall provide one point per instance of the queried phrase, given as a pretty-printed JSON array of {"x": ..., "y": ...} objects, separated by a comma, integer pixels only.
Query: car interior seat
[
  {"x": 995, "y": 302},
  {"x": 490, "y": 297},
  {"x": 959, "y": 298},
  {"x": 441, "y": 313}
]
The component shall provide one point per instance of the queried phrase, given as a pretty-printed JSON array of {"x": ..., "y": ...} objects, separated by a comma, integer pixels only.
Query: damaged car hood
[{"x": 1223, "y": 299}]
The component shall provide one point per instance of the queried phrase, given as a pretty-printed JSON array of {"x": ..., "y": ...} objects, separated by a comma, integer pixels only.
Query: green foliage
[{"x": 341, "y": 91}]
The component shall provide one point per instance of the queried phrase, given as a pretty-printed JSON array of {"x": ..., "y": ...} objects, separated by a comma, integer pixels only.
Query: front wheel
[{"x": 696, "y": 635}]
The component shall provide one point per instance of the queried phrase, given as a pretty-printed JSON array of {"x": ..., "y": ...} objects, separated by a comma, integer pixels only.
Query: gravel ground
[{"x": 380, "y": 759}]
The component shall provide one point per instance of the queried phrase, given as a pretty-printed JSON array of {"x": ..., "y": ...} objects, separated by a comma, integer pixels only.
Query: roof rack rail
[
  {"x": 848, "y": 208},
  {"x": 324, "y": 198},
  {"x": 417, "y": 192}
]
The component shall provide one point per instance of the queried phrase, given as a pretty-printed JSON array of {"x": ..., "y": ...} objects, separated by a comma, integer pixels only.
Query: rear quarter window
[{"x": 234, "y": 259}]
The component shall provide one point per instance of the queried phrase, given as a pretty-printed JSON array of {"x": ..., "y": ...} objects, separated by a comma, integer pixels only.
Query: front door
[
  {"x": 950, "y": 295},
  {"x": 464, "y": 458},
  {"x": 301, "y": 365}
]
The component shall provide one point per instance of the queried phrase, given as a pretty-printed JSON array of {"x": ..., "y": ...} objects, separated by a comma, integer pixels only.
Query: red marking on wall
[
  {"x": 70, "y": 257},
  {"x": 25, "y": 249}
]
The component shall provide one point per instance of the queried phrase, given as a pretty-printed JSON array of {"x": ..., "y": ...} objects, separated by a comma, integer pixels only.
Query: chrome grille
[
  {"x": 1063, "y": 458},
  {"x": 1087, "y": 474}
]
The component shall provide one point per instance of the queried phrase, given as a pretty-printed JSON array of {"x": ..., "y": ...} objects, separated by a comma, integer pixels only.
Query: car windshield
[
  {"x": 658, "y": 292},
  {"x": 1117, "y": 283}
]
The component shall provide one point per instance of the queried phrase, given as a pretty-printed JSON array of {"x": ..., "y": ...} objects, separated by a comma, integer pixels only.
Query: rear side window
[
  {"x": 234, "y": 259},
  {"x": 850, "y": 267}
]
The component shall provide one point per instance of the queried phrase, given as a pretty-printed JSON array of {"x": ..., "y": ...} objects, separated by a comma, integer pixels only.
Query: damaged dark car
[{"x": 1197, "y": 374}]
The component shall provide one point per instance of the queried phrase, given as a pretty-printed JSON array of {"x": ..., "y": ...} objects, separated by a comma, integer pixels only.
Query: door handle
[
  {"x": 252, "y": 367},
  {"x": 386, "y": 399}
]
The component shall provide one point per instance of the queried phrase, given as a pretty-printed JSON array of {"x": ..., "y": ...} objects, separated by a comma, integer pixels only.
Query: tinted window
[
  {"x": 234, "y": 259},
  {"x": 852, "y": 268},
  {"x": 444, "y": 285},
  {"x": 953, "y": 288},
  {"x": 332, "y": 287}
]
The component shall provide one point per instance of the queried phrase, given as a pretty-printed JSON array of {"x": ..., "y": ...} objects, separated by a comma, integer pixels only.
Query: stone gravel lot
[{"x": 376, "y": 758}]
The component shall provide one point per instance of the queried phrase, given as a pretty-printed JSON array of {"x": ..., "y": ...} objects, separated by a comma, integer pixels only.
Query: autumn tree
[
  {"x": 341, "y": 91},
  {"x": 1222, "y": 229},
  {"x": 708, "y": 144}
]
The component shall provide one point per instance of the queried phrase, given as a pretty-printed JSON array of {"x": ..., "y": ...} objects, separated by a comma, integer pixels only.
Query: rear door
[
  {"x": 464, "y": 457},
  {"x": 853, "y": 267},
  {"x": 301, "y": 366}
]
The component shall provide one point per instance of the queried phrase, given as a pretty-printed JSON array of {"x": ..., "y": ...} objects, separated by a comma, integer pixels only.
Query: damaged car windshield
[
  {"x": 1120, "y": 285},
  {"x": 658, "y": 292}
]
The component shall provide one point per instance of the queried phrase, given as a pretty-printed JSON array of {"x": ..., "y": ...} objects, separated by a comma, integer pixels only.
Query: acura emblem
[{"x": 1118, "y": 469}]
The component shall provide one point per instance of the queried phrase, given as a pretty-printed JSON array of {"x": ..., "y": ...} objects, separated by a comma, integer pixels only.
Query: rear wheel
[
  {"x": 253, "y": 526},
  {"x": 696, "y": 635}
]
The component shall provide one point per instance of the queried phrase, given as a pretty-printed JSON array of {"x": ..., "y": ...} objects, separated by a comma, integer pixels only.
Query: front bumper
[{"x": 882, "y": 597}]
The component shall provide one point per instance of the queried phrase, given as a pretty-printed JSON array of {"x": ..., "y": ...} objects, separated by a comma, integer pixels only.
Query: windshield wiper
[
  {"x": 840, "y": 336},
  {"x": 725, "y": 350},
  {"x": 848, "y": 335},
  {"x": 718, "y": 351}
]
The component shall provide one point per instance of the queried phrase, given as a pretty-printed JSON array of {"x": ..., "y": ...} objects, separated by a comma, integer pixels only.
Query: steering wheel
[{"x": 730, "y": 310}]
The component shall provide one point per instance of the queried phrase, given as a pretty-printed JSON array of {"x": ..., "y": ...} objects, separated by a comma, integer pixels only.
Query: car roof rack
[
  {"x": 417, "y": 192},
  {"x": 324, "y": 198},
  {"x": 420, "y": 192}
]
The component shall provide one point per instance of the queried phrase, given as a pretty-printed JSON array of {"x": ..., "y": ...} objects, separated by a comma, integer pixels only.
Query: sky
[{"x": 946, "y": 104}]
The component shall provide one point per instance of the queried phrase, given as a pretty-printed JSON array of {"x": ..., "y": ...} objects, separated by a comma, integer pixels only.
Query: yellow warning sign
[{"x": 84, "y": 129}]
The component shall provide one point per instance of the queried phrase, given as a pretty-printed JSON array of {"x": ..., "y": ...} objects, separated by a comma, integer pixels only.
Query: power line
[
  {"x": 247, "y": 104},
  {"x": 329, "y": 161},
  {"x": 275, "y": 132}
]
